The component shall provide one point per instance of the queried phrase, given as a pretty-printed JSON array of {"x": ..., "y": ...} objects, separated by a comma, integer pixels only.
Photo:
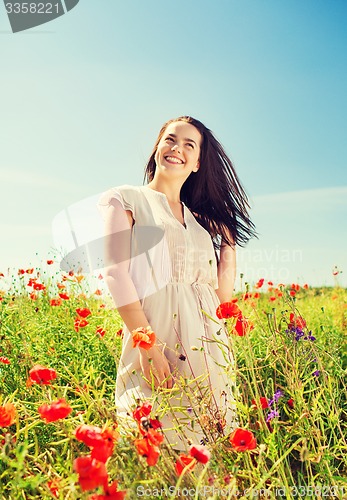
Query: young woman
[{"x": 170, "y": 261}]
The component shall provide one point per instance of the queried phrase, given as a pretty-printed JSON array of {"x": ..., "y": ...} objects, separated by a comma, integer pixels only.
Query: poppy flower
[
  {"x": 64, "y": 296},
  {"x": 53, "y": 487},
  {"x": 55, "y": 411},
  {"x": 98, "y": 292},
  {"x": 7, "y": 415},
  {"x": 84, "y": 313},
  {"x": 33, "y": 296},
  {"x": 184, "y": 461},
  {"x": 243, "y": 326},
  {"x": 5, "y": 360},
  {"x": 89, "y": 434},
  {"x": 242, "y": 440},
  {"x": 21, "y": 271},
  {"x": 119, "y": 333},
  {"x": 61, "y": 286},
  {"x": 91, "y": 473},
  {"x": 142, "y": 411},
  {"x": 104, "y": 450},
  {"x": 146, "y": 449},
  {"x": 200, "y": 453},
  {"x": 263, "y": 403},
  {"x": 228, "y": 310},
  {"x": 39, "y": 286},
  {"x": 56, "y": 302},
  {"x": 296, "y": 322},
  {"x": 100, "y": 331},
  {"x": 101, "y": 441},
  {"x": 143, "y": 338},
  {"x": 154, "y": 437},
  {"x": 42, "y": 375},
  {"x": 30, "y": 270},
  {"x": 111, "y": 493},
  {"x": 290, "y": 403},
  {"x": 80, "y": 323},
  {"x": 260, "y": 283}
]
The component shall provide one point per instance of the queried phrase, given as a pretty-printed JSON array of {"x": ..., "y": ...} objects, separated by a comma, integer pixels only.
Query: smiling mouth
[{"x": 173, "y": 159}]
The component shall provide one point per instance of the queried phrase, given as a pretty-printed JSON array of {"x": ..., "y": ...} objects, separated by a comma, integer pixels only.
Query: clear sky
[{"x": 83, "y": 98}]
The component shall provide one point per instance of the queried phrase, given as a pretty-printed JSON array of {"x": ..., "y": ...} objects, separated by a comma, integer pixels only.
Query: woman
[{"x": 164, "y": 272}]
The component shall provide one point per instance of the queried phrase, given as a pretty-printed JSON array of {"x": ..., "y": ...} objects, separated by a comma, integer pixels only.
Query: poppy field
[{"x": 59, "y": 435}]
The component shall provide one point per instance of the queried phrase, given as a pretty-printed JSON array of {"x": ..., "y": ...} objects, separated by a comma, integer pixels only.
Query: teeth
[{"x": 175, "y": 160}]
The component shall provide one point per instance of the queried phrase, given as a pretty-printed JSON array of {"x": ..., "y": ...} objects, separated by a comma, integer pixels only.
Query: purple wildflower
[
  {"x": 278, "y": 394},
  {"x": 316, "y": 373},
  {"x": 272, "y": 414}
]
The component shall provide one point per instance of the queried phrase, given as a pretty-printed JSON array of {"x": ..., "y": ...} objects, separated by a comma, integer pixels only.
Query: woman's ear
[{"x": 197, "y": 166}]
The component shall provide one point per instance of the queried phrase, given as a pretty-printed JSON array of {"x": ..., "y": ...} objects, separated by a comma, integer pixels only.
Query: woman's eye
[
  {"x": 189, "y": 144},
  {"x": 169, "y": 139}
]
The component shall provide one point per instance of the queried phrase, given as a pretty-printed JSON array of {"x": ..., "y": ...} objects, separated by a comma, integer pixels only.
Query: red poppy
[
  {"x": 2, "y": 275},
  {"x": 5, "y": 360},
  {"x": 7, "y": 415},
  {"x": 42, "y": 375},
  {"x": 272, "y": 299},
  {"x": 53, "y": 487},
  {"x": 228, "y": 310},
  {"x": 155, "y": 438},
  {"x": 305, "y": 286},
  {"x": 243, "y": 326},
  {"x": 61, "y": 286},
  {"x": 200, "y": 453},
  {"x": 292, "y": 293},
  {"x": 84, "y": 313},
  {"x": 290, "y": 403},
  {"x": 111, "y": 493},
  {"x": 142, "y": 411},
  {"x": 260, "y": 283},
  {"x": 64, "y": 296},
  {"x": 55, "y": 411},
  {"x": 91, "y": 473},
  {"x": 39, "y": 286},
  {"x": 263, "y": 403},
  {"x": 143, "y": 338},
  {"x": 50, "y": 262},
  {"x": 98, "y": 292},
  {"x": 30, "y": 271},
  {"x": 256, "y": 295},
  {"x": 242, "y": 440},
  {"x": 101, "y": 441},
  {"x": 80, "y": 323},
  {"x": 33, "y": 296},
  {"x": 146, "y": 449},
  {"x": 21, "y": 271},
  {"x": 296, "y": 322},
  {"x": 119, "y": 333},
  {"x": 89, "y": 434},
  {"x": 56, "y": 302},
  {"x": 270, "y": 283},
  {"x": 100, "y": 331},
  {"x": 184, "y": 461}
]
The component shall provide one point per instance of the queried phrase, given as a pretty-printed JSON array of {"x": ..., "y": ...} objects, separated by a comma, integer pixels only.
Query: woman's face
[{"x": 178, "y": 151}]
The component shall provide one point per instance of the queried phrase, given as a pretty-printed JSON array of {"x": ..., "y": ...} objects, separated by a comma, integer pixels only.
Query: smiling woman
[{"x": 194, "y": 197}]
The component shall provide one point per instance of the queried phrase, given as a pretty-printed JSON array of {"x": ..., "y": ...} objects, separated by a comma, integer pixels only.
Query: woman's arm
[
  {"x": 117, "y": 240},
  {"x": 226, "y": 272}
]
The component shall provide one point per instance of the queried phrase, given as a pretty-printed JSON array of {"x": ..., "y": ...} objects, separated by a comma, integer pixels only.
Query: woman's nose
[{"x": 175, "y": 147}]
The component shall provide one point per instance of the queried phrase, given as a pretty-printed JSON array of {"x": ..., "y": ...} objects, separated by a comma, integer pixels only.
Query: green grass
[{"x": 303, "y": 448}]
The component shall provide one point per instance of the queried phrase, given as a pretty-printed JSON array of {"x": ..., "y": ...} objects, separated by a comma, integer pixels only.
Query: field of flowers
[{"x": 59, "y": 436}]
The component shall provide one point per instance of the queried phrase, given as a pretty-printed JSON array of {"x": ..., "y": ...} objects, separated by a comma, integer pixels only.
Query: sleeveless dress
[{"x": 174, "y": 270}]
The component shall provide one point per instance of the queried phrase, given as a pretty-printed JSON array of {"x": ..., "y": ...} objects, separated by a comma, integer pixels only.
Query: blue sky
[{"x": 83, "y": 98}]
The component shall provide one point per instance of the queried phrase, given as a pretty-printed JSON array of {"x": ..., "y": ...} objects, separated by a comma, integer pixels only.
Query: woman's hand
[{"x": 155, "y": 367}]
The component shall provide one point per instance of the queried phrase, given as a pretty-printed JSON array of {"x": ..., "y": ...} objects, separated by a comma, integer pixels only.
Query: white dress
[{"x": 174, "y": 270}]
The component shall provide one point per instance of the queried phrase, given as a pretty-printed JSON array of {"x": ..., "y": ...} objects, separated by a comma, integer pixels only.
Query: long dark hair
[{"x": 214, "y": 193}]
